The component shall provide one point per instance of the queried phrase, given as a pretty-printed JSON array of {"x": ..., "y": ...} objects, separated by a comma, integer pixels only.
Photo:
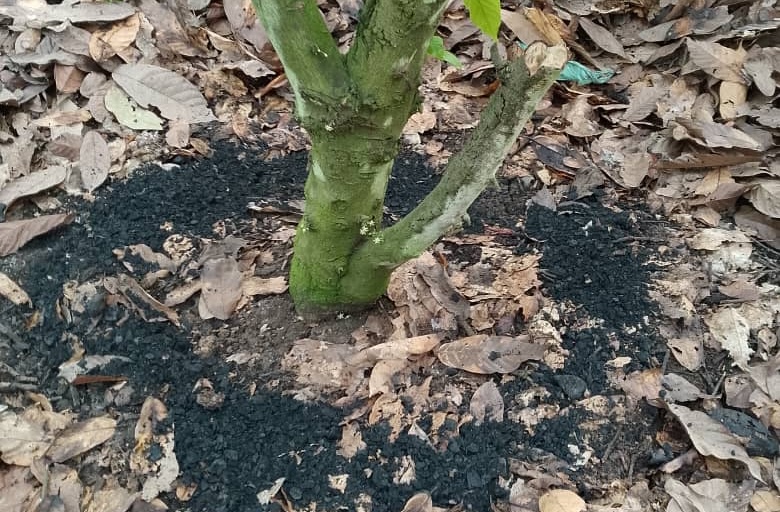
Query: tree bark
[{"x": 354, "y": 107}]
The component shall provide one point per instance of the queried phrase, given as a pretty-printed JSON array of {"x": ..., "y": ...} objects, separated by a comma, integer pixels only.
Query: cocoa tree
[{"x": 354, "y": 107}]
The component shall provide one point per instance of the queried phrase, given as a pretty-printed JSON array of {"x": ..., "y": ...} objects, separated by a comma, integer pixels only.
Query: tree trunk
[{"x": 354, "y": 107}]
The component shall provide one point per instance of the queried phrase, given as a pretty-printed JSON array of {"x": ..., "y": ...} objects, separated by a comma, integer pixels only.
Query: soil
[{"x": 594, "y": 259}]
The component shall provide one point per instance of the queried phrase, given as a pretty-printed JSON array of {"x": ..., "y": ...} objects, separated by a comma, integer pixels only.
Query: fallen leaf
[
  {"x": 12, "y": 291},
  {"x": 714, "y": 495},
  {"x": 94, "y": 161},
  {"x": 175, "y": 96},
  {"x": 351, "y": 441},
  {"x": 21, "y": 439},
  {"x": 31, "y": 184},
  {"x": 254, "y": 285},
  {"x": 420, "y": 502},
  {"x": 221, "y": 288},
  {"x": 489, "y": 354},
  {"x": 602, "y": 37},
  {"x": 717, "y": 60},
  {"x": 106, "y": 43},
  {"x": 487, "y": 404},
  {"x": 561, "y": 500},
  {"x": 14, "y": 234},
  {"x": 732, "y": 332},
  {"x": 128, "y": 113},
  {"x": 81, "y": 437},
  {"x": 710, "y": 438},
  {"x": 765, "y": 196}
]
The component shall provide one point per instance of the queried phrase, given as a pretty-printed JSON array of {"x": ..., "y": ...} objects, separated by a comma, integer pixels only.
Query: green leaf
[
  {"x": 437, "y": 51},
  {"x": 486, "y": 15}
]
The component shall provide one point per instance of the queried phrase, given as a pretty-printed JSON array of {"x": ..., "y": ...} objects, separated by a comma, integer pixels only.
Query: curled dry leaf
[
  {"x": 15, "y": 234},
  {"x": 420, "y": 502},
  {"x": 12, "y": 291},
  {"x": 710, "y": 438},
  {"x": 489, "y": 354}
]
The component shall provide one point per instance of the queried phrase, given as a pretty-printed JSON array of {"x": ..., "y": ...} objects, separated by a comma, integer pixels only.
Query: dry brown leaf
[
  {"x": 712, "y": 239},
  {"x": 175, "y": 96},
  {"x": 31, "y": 184},
  {"x": 182, "y": 293},
  {"x": 713, "y": 134},
  {"x": 81, "y": 437},
  {"x": 602, "y": 37},
  {"x": 688, "y": 351},
  {"x": 487, "y": 404},
  {"x": 22, "y": 439},
  {"x": 106, "y": 43},
  {"x": 129, "y": 288},
  {"x": 147, "y": 254},
  {"x": 420, "y": 502},
  {"x": 397, "y": 349},
  {"x": 18, "y": 490},
  {"x": 15, "y": 234},
  {"x": 111, "y": 498},
  {"x": 732, "y": 332},
  {"x": 420, "y": 122},
  {"x": 642, "y": 384},
  {"x": 717, "y": 60},
  {"x": 351, "y": 441},
  {"x": 765, "y": 196},
  {"x": 740, "y": 289},
  {"x": 94, "y": 160},
  {"x": 766, "y": 229},
  {"x": 221, "y": 288},
  {"x": 37, "y": 13},
  {"x": 561, "y": 500},
  {"x": 67, "y": 78},
  {"x": 678, "y": 389},
  {"x": 732, "y": 96},
  {"x": 714, "y": 495},
  {"x": 710, "y": 438},
  {"x": 581, "y": 118},
  {"x": 12, "y": 291},
  {"x": 383, "y": 375},
  {"x": 489, "y": 354},
  {"x": 255, "y": 285},
  {"x": 520, "y": 26},
  {"x": 765, "y": 501}
]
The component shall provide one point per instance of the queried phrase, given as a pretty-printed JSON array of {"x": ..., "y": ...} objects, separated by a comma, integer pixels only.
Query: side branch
[
  {"x": 524, "y": 82},
  {"x": 315, "y": 68},
  {"x": 387, "y": 55}
]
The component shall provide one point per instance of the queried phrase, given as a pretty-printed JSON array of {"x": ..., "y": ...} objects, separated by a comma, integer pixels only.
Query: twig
[{"x": 611, "y": 444}]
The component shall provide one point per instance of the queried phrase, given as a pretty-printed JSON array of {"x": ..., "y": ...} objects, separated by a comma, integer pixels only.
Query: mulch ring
[{"x": 240, "y": 425}]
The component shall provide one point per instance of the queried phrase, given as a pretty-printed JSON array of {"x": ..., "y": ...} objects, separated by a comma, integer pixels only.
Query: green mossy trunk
[
  {"x": 345, "y": 192},
  {"x": 354, "y": 107}
]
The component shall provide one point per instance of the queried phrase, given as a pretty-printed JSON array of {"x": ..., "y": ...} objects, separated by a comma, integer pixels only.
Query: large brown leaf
[{"x": 15, "y": 234}]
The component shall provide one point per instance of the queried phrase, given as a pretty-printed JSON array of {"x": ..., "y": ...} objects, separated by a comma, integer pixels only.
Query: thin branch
[{"x": 524, "y": 82}]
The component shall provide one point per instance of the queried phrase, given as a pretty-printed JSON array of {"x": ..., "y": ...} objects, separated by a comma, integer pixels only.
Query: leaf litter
[{"x": 688, "y": 119}]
